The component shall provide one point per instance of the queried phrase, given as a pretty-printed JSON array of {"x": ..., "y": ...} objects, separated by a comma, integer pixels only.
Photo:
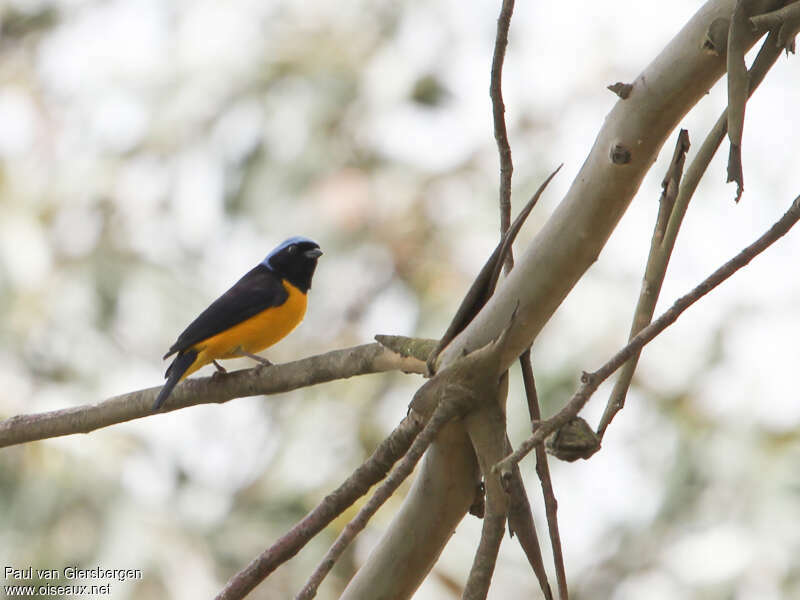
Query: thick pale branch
[
  {"x": 624, "y": 151},
  {"x": 274, "y": 379}
]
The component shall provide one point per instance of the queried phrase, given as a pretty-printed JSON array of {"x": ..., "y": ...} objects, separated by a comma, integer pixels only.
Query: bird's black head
[{"x": 295, "y": 260}]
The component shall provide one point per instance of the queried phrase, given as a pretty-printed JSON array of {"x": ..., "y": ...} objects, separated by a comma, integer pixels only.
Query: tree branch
[
  {"x": 591, "y": 381},
  {"x": 498, "y": 114},
  {"x": 571, "y": 239},
  {"x": 739, "y": 34},
  {"x": 274, "y": 379},
  {"x": 784, "y": 22}
]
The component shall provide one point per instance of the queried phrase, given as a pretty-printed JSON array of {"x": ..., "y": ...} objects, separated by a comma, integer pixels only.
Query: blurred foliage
[{"x": 151, "y": 152}]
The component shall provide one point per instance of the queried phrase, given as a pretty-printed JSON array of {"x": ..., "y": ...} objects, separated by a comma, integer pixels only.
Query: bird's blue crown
[{"x": 285, "y": 244}]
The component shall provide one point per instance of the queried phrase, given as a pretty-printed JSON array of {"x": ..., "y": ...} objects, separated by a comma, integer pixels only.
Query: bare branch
[
  {"x": 274, "y": 379},
  {"x": 785, "y": 22},
  {"x": 739, "y": 36},
  {"x": 590, "y": 381},
  {"x": 363, "y": 478},
  {"x": 498, "y": 114},
  {"x": 571, "y": 239}
]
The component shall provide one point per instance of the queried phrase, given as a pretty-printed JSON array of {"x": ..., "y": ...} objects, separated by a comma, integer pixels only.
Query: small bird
[{"x": 258, "y": 311}]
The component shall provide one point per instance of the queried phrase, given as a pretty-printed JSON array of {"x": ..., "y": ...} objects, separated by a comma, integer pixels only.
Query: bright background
[{"x": 151, "y": 152}]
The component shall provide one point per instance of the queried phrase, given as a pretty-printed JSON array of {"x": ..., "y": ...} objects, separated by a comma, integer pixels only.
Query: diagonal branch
[
  {"x": 591, "y": 381},
  {"x": 660, "y": 255},
  {"x": 273, "y": 379},
  {"x": 657, "y": 261},
  {"x": 784, "y": 22}
]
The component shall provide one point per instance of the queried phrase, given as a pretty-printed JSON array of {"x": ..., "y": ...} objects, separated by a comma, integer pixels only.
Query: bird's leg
[{"x": 256, "y": 357}]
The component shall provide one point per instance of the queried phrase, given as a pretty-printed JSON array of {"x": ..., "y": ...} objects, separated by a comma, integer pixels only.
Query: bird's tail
[{"x": 174, "y": 373}]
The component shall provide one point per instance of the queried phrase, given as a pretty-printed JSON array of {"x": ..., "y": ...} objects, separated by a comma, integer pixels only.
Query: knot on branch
[
  {"x": 623, "y": 90},
  {"x": 573, "y": 440},
  {"x": 619, "y": 154},
  {"x": 716, "y": 40}
]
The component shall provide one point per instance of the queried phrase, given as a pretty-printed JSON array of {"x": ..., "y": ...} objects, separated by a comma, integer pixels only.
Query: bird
[{"x": 260, "y": 309}]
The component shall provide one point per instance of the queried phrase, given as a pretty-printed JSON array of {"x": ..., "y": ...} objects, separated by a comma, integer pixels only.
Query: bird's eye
[{"x": 292, "y": 250}]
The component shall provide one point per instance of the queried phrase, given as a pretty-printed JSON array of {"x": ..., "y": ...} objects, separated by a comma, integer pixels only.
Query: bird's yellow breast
[{"x": 256, "y": 333}]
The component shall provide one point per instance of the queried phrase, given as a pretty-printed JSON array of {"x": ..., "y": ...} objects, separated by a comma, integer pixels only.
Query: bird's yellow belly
[{"x": 256, "y": 333}]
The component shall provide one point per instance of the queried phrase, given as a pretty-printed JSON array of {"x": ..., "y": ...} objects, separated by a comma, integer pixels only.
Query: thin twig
[
  {"x": 274, "y": 379},
  {"x": 656, "y": 269},
  {"x": 739, "y": 36},
  {"x": 446, "y": 410},
  {"x": 590, "y": 381},
  {"x": 498, "y": 114},
  {"x": 543, "y": 470},
  {"x": 363, "y": 478}
]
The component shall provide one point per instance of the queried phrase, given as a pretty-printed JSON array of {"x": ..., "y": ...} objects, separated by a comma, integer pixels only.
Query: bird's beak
[{"x": 313, "y": 253}]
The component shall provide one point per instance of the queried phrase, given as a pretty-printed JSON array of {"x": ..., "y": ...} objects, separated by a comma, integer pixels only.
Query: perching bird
[{"x": 258, "y": 311}]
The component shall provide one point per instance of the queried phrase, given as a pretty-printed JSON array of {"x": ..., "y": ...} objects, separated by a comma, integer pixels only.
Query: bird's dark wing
[{"x": 258, "y": 290}]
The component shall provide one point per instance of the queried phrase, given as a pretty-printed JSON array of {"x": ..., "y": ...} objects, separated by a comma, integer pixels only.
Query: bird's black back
[{"x": 259, "y": 289}]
